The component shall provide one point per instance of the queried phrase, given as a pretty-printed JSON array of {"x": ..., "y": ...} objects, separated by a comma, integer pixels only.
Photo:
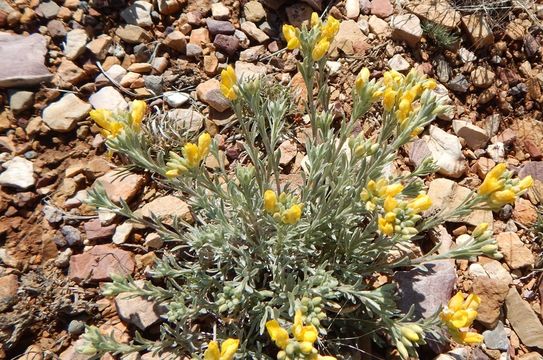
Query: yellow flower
[
  {"x": 228, "y": 82},
  {"x": 362, "y": 78},
  {"x": 385, "y": 227},
  {"x": 270, "y": 201},
  {"x": 191, "y": 154},
  {"x": 459, "y": 312},
  {"x": 420, "y": 203},
  {"x": 469, "y": 337},
  {"x": 394, "y": 189},
  {"x": 315, "y": 20},
  {"x": 429, "y": 84},
  {"x": 330, "y": 28},
  {"x": 110, "y": 129},
  {"x": 503, "y": 197},
  {"x": 492, "y": 180},
  {"x": 405, "y": 105},
  {"x": 204, "y": 142},
  {"x": 278, "y": 335},
  {"x": 227, "y": 351},
  {"x": 289, "y": 32},
  {"x": 410, "y": 334},
  {"x": 526, "y": 183},
  {"x": 389, "y": 99},
  {"x": 390, "y": 204},
  {"x": 479, "y": 230},
  {"x": 139, "y": 108},
  {"x": 320, "y": 49},
  {"x": 292, "y": 215}
]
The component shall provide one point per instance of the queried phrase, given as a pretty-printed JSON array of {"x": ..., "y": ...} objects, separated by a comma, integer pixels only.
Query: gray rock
[
  {"x": 47, "y": 9},
  {"x": 22, "y": 60},
  {"x": 186, "y": 119},
  {"x": 76, "y": 327},
  {"x": 476, "y": 138},
  {"x": 446, "y": 151},
  {"x": 52, "y": 214},
  {"x": 139, "y": 13},
  {"x": 458, "y": 84},
  {"x": 398, "y": 63},
  {"x": 426, "y": 290},
  {"x": 122, "y": 233},
  {"x": 194, "y": 50},
  {"x": 116, "y": 72},
  {"x": 76, "y": 40},
  {"x": 72, "y": 235},
  {"x": 216, "y": 27},
  {"x": 19, "y": 174},
  {"x": 20, "y": 101},
  {"x": 407, "y": 28},
  {"x": 254, "y": 32},
  {"x": 63, "y": 115},
  {"x": 56, "y": 28},
  {"x": 533, "y": 168},
  {"x": 154, "y": 83},
  {"x": 108, "y": 98},
  {"x": 496, "y": 338},
  {"x": 524, "y": 320}
]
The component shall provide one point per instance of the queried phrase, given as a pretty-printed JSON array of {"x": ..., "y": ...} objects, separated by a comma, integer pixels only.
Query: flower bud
[
  {"x": 480, "y": 229},
  {"x": 489, "y": 249}
]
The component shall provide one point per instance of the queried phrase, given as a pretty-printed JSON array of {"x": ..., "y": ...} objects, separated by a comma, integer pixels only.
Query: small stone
[
  {"x": 194, "y": 51},
  {"x": 108, "y": 98},
  {"x": 254, "y": 11},
  {"x": 216, "y": 27},
  {"x": 121, "y": 187},
  {"x": 297, "y": 13},
  {"x": 100, "y": 46},
  {"x": 116, "y": 72},
  {"x": 140, "y": 68},
  {"x": 483, "y": 166},
  {"x": 133, "y": 34},
  {"x": 477, "y": 270},
  {"x": 72, "y": 235},
  {"x": 139, "y": 13},
  {"x": 138, "y": 311},
  {"x": 19, "y": 101},
  {"x": 96, "y": 231},
  {"x": 47, "y": 9},
  {"x": 496, "y": 271},
  {"x": 63, "y": 115},
  {"x": 482, "y": 77},
  {"x": 379, "y": 27},
  {"x": 496, "y": 151},
  {"x": 438, "y": 12},
  {"x": 492, "y": 293},
  {"x": 56, "y": 28},
  {"x": 458, "y": 84},
  {"x": 227, "y": 44},
  {"x": 515, "y": 30},
  {"x": 209, "y": 92},
  {"x": 447, "y": 195},
  {"x": 254, "y": 32},
  {"x": 476, "y": 138},
  {"x": 175, "y": 99},
  {"x": 76, "y": 327},
  {"x": 249, "y": 70},
  {"x": 166, "y": 208},
  {"x": 466, "y": 56},
  {"x": 406, "y": 28},
  {"x": 199, "y": 37},
  {"x": 122, "y": 233},
  {"x": 99, "y": 263},
  {"x": 515, "y": 253},
  {"x": 186, "y": 119},
  {"x": 69, "y": 73},
  {"x": 478, "y": 30},
  {"x": 352, "y": 9},
  {"x": 76, "y": 40},
  {"x": 524, "y": 320},
  {"x": 176, "y": 40},
  {"x": 381, "y": 8},
  {"x": 219, "y": 11},
  {"x": 153, "y": 241},
  {"x": 52, "y": 214},
  {"x": 446, "y": 151},
  {"x": 211, "y": 64},
  {"x": 169, "y": 7},
  {"x": 288, "y": 150},
  {"x": 398, "y": 63},
  {"x": 160, "y": 64},
  {"x": 428, "y": 289},
  {"x": 63, "y": 259},
  {"x": 9, "y": 285},
  {"x": 496, "y": 338},
  {"x": 350, "y": 40}
]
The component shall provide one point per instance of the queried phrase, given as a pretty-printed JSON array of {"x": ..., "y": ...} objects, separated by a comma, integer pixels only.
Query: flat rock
[
  {"x": 381, "y": 8},
  {"x": 122, "y": 233},
  {"x": 492, "y": 293},
  {"x": 139, "y": 13},
  {"x": 515, "y": 253},
  {"x": 495, "y": 270},
  {"x": 176, "y": 41},
  {"x": 138, "y": 311},
  {"x": 47, "y": 9},
  {"x": 63, "y": 115},
  {"x": 350, "y": 40},
  {"x": 69, "y": 73},
  {"x": 176, "y": 99},
  {"x": 22, "y": 60},
  {"x": 446, "y": 151},
  {"x": 249, "y": 70},
  {"x": 254, "y": 32},
  {"x": 227, "y": 44},
  {"x": 476, "y": 138},
  {"x": 289, "y": 150},
  {"x": 108, "y": 98},
  {"x": 478, "y": 30},
  {"x": 216, "y": 27},
  {"x": 115, "y": 72},
  {"x": 524, "y": 320},
  {"x": 167, "y": 208},
  {"x": 482, "y": 77},
  {"x": 133, "y": 34},
  {"x": 447, "y": 195},
  {"x": 439, "y": 12},
  {"x": 532, "y": 168},
  {"x": 76, "y": 41},
  {"x": 186, "y": 119},
  {"x": 122, "y": 187},
  {"x": 20, "y": 101},
  {"x": 427, "y": 291},
  {"x": 18, "y": 174},
  {"x": 100, "y": 46},
  {"x": 406, "y": 28},
  {"x": 496, "y": 338},
  {"x": 398, "y": 63},
  {"x": 99, "y": 263},
  {"x": 96, "y": 231},
  {"x": 209, "y": 93}
]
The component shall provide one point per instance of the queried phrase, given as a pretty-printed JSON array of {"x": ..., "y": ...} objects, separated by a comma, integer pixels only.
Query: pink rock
[
  {"x": 381, "y": 8},
  {"x": 95, "y": 230},
  {"x": 8, "y": 290},
  {"x": 121, "y": 187},
  {"x": 99, "y": 263}
]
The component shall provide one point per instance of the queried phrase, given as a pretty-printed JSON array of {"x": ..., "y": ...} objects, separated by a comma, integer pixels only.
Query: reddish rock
[
  {"x": 524, "y": 212},
  {"x": 492, "y": 293},
  {"x": 99, "y": 263},
  {"x": 95, "y": 231},
  {"x": 121, "y": 187},
  {"x": 381, "y": 8},
  {"x": 8, "y": 290},
  {"x": 227, "y": 44},
  {"x": 533, "y": 150}
]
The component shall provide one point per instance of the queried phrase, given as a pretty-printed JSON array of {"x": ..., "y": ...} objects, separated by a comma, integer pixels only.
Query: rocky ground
[{"x": 60, "y": 59}]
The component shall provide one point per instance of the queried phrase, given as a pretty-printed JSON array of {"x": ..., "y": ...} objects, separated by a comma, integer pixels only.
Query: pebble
[
  {"x": 121, "y": 187},
  {"x": 254, "y": 11},
  {"x": 515, "y": 253},
  {"x": 466, "y": 55},
  {"x": 227, "y": 44},
  {"x": 176, "y": 99},
  {"x": 254, "y": 32},
  {"x": 194, "y": 50},
  {"x": 52, "y": 214},
  {"x": 63, "y": 115},
  {"x": 63, "y": 259},
  {"x": 349, "y": 40},
  {"x": 492, "y": 293},
  {"x": 381, "y": 8},
  {"x": 379, "y": 27},
  {"x": 69, "y": 73},
  {"x": 138, "y": 311},
  {"x": 115, "y": 72},
  {"x": 406, "y": 28},
  {"x": 100, "y": 46},
  {"x": 122, "y": 233},
  {"x": 9, "y": 285},
  {"x": 76, "y": 327},
  {"x": 133, "y": 34},
  {"x": 56, "y": 28},
  {"x": 478, "y": 30},
  {"x": 139, "y": 13},
  {"x": 20, "y": 101},
  {"x": 169, "y": 7},
  {"x": 99, "y": 263},
  {"x": 398, "y": 63},
  {"x": 47, "y": 9},
  {"x": 108, "y": 98},
  {"x": 176, "y": 41},
  {"x": 458, "y": 84},
  {"x": 446, "y": 151},
  {"x": 216, "y": 27},
  {"x": 352, "y": 8},
  {"x": 482, "y": 77},
  {"x": 72, "y": 235},
  {"x": 166, "y": 207},
  {"x": 95, "y": 231},
  {"x": 209, "y": 92},
  {"x": 219, "y": 11},
  {"x": 153, "y": 241},
  {"x": 475, "y": 137},
  {"x": 496, "y": 338},
  {"x": 18, "y": 174},
  {"x": 76, "y": 41}
]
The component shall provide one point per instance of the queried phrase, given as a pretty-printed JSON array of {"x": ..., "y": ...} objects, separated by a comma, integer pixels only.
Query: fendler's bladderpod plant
[{"x": 270, "y": 270}]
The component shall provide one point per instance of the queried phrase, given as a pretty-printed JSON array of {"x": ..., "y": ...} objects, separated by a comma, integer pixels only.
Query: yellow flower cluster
[
  {"x": 193, "y": 154},
  {"x": 326, "y": 33},
  {"x": 301, "y": 345},
  {"x": 500, "y": 188},
  {"x": 226, "y": 351},
  {"x": 459, "y": 315},
  {"x": 411, "y": 334},
  {"x": 401, "y": 92},
  {"x": 228, "y": 83},
  {"x": 397, "y": 214},
  {"x": 112, "y": 125},
  {"x": 283, "y": 208}
]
